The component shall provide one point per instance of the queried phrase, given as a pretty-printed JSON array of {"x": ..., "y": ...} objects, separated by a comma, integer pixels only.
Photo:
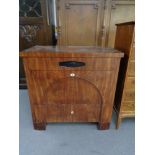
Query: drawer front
[
  {"x": 58, "y": 63},
  {"x": 73, "y": 113},
  {"x": 130, "y": 83},
  {"x": 131, "y": 68},
  {"x": 129, "y": 95},
  {"x": 86, "y": 112}
]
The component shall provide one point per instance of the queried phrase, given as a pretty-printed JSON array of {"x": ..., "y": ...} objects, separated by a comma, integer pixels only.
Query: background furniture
[
  {"x": 72, "y": 22},
  {"x": 121, "y": 11},
  {"x": 125, "y": 92},
  {"x": 81, "y": 22},
  {"x": 71, "y": 84},
  {"x": 34, "y": 28},
  {"x": 91, "y": 22}
]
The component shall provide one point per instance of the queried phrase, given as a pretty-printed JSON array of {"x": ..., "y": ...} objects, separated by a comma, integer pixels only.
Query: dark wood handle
[{"x": 71, "y": 64}]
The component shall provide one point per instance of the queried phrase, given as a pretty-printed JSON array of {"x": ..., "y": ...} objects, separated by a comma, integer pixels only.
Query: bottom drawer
[{"x": 73, "y": 113}]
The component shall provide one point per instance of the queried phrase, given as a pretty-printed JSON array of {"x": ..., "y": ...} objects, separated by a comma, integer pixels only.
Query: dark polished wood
[
  {"x": 71, "y": 93},
  {"x": 39, "y": 126},
  {"x": 125, "y": 92},
  {"x": 103, "y": 126}
]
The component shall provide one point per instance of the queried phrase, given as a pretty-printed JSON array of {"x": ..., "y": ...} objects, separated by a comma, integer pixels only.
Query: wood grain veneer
[{"x": 71, "y": 94}]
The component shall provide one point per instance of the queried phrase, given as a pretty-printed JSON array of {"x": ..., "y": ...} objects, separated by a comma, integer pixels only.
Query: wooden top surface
[{"x": 70, "y": 51}]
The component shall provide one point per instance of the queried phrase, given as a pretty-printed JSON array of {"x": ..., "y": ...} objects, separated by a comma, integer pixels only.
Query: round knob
[
  {"x": 72, "y": 74},
  {"x": 72, "y": 112}
]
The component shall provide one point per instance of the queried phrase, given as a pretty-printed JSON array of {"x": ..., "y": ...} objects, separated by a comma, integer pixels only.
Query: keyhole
[
  {"x": 72, "y": 74},
  {"x": 72, "y": 112}
]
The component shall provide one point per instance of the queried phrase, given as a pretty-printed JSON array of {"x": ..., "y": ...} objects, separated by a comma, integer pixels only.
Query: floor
[{"x": 72, "y": 138}]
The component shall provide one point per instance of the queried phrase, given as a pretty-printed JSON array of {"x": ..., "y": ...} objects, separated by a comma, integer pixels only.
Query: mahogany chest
[{"x": 71, "y": 84}]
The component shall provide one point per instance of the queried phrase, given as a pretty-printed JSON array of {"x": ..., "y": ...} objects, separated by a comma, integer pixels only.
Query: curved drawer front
[
  {"x": 81, "y": 63},
  {"x": 67, "y": 87}
]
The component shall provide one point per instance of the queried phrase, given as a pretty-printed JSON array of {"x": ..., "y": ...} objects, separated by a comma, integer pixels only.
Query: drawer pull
[
  {"x": 71, "y": 64},
  {"x": 72, "y": 74},
  {"x": 72, "y": 112}
]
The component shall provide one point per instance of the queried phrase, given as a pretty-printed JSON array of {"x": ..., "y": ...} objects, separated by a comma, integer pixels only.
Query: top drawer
[{"x": 87, "y": 63}]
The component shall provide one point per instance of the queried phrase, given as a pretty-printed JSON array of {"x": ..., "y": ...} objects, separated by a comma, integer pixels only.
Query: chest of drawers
[{"x": 71, "y": 84}]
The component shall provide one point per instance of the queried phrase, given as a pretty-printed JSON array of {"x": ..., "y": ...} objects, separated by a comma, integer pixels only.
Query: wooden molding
[
  {"x": 96, "y": 6},
  {"x": 30, "y": 20},
  {"x": 67, "y": 5},
  {"x": 121, "y": 2}
]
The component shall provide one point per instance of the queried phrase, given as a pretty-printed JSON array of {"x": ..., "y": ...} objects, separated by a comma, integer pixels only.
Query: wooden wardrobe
[
  {"x": 81, "y": 22},
  {"x": 91, "y": 22},
  {"x": 125, "y": 92}
]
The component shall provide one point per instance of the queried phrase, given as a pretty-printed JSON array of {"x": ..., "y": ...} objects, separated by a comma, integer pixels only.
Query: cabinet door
[
  {"x": 34, "y": 28},
  {"x": 80, "y": 22}
]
